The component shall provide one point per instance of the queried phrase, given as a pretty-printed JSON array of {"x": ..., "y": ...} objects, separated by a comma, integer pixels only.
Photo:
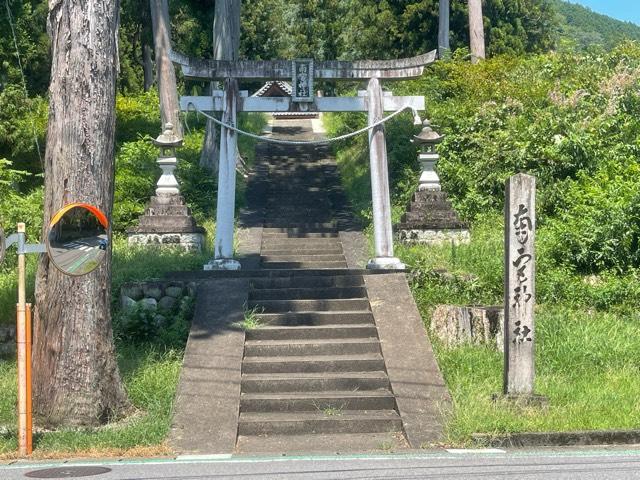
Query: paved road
[
  {"x": 546, "y": 464},
  {"x": 78, "y": 256}
]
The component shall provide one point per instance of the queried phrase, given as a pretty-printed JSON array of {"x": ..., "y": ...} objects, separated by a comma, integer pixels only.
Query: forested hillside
[{"x": 587, "y": 28}]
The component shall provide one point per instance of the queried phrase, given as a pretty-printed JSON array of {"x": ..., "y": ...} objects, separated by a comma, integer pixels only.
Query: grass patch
[
  {"x": 150, "y": 376},
  {"x": 251, "y": 321},
  {"x": 587, "y": 359}
]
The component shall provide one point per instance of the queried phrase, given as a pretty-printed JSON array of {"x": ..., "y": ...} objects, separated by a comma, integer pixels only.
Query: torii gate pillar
[
  {"x": 382, "y": 229},
  {"x": 225, "y": 209}
]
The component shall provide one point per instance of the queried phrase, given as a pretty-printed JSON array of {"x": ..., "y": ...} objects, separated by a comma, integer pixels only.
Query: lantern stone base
[
  {"x": 188, "y": 241},
  {"x": 167, "y": 222},
  {"x": 431, "y": 219},
  {"x": 434, "y": 237}
]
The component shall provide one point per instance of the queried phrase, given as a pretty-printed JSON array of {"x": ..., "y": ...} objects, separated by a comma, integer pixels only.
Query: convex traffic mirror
[
  {"x": 2, "y": 244},
  {"x": 77, "y": 241}
]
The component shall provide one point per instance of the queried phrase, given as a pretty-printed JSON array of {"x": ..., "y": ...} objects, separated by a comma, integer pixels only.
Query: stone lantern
[
  {"x": 168, "y": 141},
  {"x": 426, "y": 140},
  {"x": 429, "y": 217},
  {"x": 167, "y": 221}
]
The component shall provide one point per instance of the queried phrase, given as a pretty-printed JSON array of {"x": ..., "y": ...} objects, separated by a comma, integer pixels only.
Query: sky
[{"x": 628, "y": 10}]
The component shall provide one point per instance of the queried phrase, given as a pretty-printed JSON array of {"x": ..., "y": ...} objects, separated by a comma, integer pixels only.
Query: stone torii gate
[{"x": 302, "y": 73}]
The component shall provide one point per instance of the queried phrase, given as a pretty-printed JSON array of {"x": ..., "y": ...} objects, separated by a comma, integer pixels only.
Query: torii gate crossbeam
[{"x": 302, "y": 72}]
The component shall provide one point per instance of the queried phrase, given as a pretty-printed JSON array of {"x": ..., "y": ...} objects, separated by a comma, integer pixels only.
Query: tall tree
[
  {"x": 76, "y": 377},
  {"x": 226, "y": 46},
  {"x": 476, "y": 31},
  {"x": 165, "y": 72}
]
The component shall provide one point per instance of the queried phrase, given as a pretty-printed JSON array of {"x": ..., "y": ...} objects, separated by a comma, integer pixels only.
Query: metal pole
[{"x": 24, "y": 434}]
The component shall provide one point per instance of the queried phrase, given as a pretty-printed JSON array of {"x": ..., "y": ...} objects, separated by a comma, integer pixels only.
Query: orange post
[
  {"x": 29, "y": 343},
  {"x": 23, "y": 360}
]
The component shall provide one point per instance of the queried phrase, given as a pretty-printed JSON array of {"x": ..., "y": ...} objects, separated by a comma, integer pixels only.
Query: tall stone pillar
[
  {"x": 519, "y": 285},
  {"x": 382, "y": 229}
]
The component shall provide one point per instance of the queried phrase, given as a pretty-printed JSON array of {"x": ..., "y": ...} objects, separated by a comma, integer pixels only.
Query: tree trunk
[
  {"x": 226, "y": 46},
  {"x": 476, "y": 31},
  {"x": 76, "y": 380},
  {"x": 147, "y": 67},
  {"x": 443, "y": 29},
  {"x": 165, "y": 73}
]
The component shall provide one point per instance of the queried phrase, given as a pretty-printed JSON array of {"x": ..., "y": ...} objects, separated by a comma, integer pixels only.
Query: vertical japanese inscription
[
  {"x": 519, "y": 291},
  {"x": 302, "y": 80}
]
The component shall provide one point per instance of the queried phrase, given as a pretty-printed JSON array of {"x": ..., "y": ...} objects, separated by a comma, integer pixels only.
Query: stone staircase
[
  {"x": 338, "y": 359},
  {"x": 314, "y": 365}
]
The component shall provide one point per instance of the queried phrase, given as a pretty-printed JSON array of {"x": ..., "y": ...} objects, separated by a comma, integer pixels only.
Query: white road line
[{"x": 475, "y": 450}]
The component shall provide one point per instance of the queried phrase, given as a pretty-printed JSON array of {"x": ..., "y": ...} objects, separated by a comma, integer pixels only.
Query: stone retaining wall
[
  {"x": 155, "y": 294},
  {"x": 7, "y": 340}
]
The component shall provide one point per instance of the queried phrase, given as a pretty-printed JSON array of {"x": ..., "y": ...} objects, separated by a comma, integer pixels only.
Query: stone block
[
  {"x": 127, "y": 302},
  {"x": 174, "y": 291},
  {"x": 455, "y": 325},
  {"x": 167, "y": 303},
  {"x": 434, "y": 237},
  {"x": 153, "y": 290},
  {"x": 149, "y": 303},
  {"x": 133, "y": 291}
]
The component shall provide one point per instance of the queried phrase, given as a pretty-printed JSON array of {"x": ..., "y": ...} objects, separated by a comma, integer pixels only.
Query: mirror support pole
[{"x": 23, "y": 350}]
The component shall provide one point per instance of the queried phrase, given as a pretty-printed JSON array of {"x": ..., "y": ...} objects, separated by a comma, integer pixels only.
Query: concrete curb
[{"x": 559, "y": 439}]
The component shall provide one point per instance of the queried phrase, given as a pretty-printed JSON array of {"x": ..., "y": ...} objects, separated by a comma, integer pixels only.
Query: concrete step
[
  {"x": 315, "y": 382},
  {"x": 312, "y": 333},
  {"x": 326, "y": 443},
  {"x": 312, "y": 250},
  {"x": 313, "y": 347},
  {"x": 322, "y": 305},
  {"x": 336, "y": 402},
  {"x": 307, "y": 282},
  {"x": 313, "y": 257},
  {"x": 300, "y": 243},
  {"x": 303, "y": 265},
  {"x": 284, "y": 235},
  {"x": 316, "y": 293},
  {"x": 297, "y": 230},
  {"x": 289, "y": 224},
  {"x": 309, "y": 364},
  {"x": 316, "y": 318},
  {"x": 319, "y": 422}
]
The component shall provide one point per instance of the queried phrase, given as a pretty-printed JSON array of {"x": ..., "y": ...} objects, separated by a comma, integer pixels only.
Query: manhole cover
[{"x": 67, "y": 472}]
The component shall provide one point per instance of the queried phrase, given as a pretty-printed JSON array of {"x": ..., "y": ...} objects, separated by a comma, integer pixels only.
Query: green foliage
[
  {"x": 135, "y": 181},
  {"x": 167, "y": 328},
  {"x": 570, "y": 119},
  {"x": 28, "y": 18},
  {"x": 23, "y": 124},
  {"x": 137, "y": 116}
]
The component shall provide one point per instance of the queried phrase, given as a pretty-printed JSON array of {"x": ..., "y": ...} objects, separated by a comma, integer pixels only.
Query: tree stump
[{"x": 456, "y": 325}]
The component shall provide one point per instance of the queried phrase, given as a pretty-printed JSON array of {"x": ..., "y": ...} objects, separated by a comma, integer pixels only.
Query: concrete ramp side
[
  {"x": 422, "y": 397},
  {"x": 208, "y": 398}
]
